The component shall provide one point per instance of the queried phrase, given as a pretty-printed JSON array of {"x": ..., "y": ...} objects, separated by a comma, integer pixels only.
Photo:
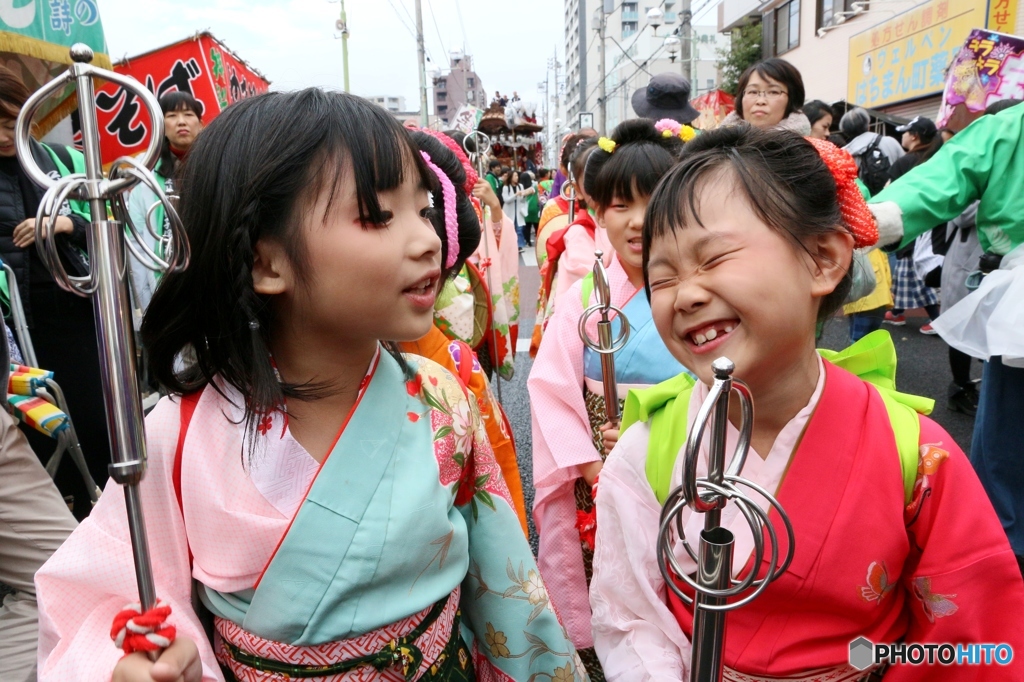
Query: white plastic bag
[{"x": 990, "y": 321}]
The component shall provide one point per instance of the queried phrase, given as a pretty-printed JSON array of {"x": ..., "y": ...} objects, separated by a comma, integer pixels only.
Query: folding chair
[{"x": 35, "y": 399}]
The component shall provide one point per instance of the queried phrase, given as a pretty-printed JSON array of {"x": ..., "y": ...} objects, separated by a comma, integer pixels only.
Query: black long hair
[
  {"x": 469, "y": 224},
  {"x": 175, "y": 100},
  {"x": 249, "y": 176},
  {"x": 777, "y": 172},
  {"x": 641, "y": 157}
]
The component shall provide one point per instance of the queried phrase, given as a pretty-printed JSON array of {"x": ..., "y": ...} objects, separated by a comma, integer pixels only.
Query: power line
[
  {"x": 625, "y": 81},
  {"x": 433, "y": 17},
  {"x": 462, "y": 25},
  {"x": 401, "y": 20},
  {"x": 407, "y": 13},
  {"x": 628, "y": 55}
]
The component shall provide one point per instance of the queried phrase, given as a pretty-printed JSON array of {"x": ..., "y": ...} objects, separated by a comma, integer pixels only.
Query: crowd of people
[{"x": 333, "y": 488}]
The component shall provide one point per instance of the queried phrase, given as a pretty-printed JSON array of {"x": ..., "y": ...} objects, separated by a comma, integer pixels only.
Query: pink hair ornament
[{"x": 451, "y": 216}]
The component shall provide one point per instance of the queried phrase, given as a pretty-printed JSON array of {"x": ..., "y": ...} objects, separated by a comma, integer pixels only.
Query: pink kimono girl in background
[
  {"x": 747, "y": 247},
  {"x": 332, "y": 507},
  {"x": 571, "y": 433}
]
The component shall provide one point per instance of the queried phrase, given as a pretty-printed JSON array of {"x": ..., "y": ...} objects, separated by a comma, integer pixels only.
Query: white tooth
[
  {"x": 700, "y": 339},
  {"x": 712, "y": 334},
  {"x": 728, "y": 328}
]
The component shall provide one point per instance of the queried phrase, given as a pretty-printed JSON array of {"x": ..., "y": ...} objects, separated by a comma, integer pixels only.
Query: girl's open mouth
[{"x": 710, "y": 336}]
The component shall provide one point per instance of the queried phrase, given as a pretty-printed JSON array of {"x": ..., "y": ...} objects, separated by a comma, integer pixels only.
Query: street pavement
[{"x": 922, "y": 369}]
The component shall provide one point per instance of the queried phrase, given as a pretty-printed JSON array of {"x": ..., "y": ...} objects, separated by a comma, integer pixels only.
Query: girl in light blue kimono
[{"x": 331, "y": 509}]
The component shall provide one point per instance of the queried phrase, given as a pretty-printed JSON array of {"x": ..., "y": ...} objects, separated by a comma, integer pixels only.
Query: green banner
[
  {"x": 56, "y": 23},
  {"x": 34, "y": 39}
]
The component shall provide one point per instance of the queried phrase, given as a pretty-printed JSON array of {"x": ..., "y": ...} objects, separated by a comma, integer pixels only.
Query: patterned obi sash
[
  {"x": 841, "y": 673},
  {"x": 424, "y": 646}
]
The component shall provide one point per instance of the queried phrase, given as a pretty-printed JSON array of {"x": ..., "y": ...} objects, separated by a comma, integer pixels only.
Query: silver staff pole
[
  {"x": 713, "y": 584},
  {"x": 482, "y": 145},
  {"x": 606, "y": 344},
  {"x": 106, "y": 281},
  {"x": 568, "y": 192}
]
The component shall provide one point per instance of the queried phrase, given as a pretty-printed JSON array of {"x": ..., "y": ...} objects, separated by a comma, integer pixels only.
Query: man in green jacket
[{"x": 984, "y": 163}]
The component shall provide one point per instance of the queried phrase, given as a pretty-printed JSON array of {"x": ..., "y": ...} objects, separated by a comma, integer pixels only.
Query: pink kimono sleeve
[
  {"x": 92, "y": 576},
  {"x": 575, "y": 262},
  {"x": 561, "y": 428},
  {"x": 561, "y": 442},
  {"x": 636, "y": 636},
  {"x": 962, "y": 579}
]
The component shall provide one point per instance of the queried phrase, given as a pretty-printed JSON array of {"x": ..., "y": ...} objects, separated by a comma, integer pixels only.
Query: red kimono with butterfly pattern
[{"x": 866, "y": 564}]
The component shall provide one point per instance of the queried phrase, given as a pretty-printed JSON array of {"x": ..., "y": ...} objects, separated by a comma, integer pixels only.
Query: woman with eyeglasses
[{"x": 769, "y": 96}]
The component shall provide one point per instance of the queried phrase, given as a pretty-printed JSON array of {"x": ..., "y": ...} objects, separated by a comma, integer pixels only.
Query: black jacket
[{"x": 20, "y": 199}]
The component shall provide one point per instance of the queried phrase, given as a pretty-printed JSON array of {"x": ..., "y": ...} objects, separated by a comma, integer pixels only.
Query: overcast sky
[{"x": 294, "y": 44}]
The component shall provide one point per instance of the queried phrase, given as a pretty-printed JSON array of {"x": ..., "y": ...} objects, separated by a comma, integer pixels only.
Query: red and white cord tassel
[{"x": 134, "y": 630}]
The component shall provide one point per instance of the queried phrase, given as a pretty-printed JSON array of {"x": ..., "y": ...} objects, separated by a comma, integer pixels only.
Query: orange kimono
[{"x": 458, "y": 358}]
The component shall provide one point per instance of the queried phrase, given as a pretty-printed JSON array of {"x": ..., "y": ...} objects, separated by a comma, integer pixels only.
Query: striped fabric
[
  {"x": 37, "y": 413},
  {"x": 27, "y": 380},
  {"x": 26, "y": 408}
]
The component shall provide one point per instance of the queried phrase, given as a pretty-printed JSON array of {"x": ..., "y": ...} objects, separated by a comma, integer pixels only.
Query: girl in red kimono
[{"x": 747, "y": 246}]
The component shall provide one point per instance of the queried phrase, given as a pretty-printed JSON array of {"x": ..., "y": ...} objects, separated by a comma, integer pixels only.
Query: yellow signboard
[
  {"x": 906, "y": 57},
  {"x": 1002, "y": 15}
]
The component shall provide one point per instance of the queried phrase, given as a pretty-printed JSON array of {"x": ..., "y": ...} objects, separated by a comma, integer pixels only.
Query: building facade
[
  {"x": 635, "y": 51},
  {"x": 890, "y": 56},
  {"x": 393, "y": 103},
  {"x": 458, "y": 86}
]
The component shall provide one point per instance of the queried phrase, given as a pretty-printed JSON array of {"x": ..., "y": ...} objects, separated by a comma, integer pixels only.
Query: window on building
[
  {"x": 440, "y": 96},
  {"x": 630, "y": 12},
  {"x": 442, "y": 110},
  {"x": 787, "y": 26},
  {"x": 711, "y": 84},
  {"x": 441, "y": 84},
  {"x": 471, "y": 96},
  {"x": 470, "y": 82},
  {"x": 628, "y": 28},
  {"x": 829, "y": 11}
]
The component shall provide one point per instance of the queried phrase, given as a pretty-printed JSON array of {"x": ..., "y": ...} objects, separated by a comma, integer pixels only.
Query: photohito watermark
[{"x": 864, "y": 654}]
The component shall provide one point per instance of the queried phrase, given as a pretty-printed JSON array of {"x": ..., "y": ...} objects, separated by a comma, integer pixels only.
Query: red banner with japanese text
[{"x": 201, "y": 66}]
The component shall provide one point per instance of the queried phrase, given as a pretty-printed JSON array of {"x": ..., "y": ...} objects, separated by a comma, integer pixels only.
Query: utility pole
[
  {"x": 343, "y": 27},
  {"x": 582, "y": 81},
  {"x": 422, "y": 56},
  {"x": 603, "y": 102},
  {"x": 685, "y": 35}
]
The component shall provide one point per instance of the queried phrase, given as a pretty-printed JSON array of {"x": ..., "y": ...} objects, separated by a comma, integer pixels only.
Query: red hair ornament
[
  {"x": 856, "y": 214},
  {"x": 471, "y": 176}
]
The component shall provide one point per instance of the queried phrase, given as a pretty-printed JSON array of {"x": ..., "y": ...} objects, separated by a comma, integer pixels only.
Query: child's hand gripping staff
[
  {"x": 606, "y": 345},
  {"x": 141, "y": 627},
  {"x": 713, "y": 584}
]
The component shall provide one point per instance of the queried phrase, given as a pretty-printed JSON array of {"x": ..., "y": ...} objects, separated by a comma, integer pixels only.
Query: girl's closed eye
[{"x": 719, "y": 258}]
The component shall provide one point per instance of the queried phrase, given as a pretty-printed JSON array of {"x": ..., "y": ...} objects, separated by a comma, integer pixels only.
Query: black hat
[
  {"x": 667, "y": 96},
  {"x": 921, "y": 126}
]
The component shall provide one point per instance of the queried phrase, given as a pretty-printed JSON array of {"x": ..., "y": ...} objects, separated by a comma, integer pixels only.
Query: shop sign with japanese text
[{"x": 907, "y": 56}]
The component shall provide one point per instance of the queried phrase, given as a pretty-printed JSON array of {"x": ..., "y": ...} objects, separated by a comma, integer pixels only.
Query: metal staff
[
  {"x": 568, "y": 192},
  {"x": 713, "y": 584},
  {"x": 106, "y": 281},
  {"x": 606, "y": 345},
  {"x": 482, "y": 145}
]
